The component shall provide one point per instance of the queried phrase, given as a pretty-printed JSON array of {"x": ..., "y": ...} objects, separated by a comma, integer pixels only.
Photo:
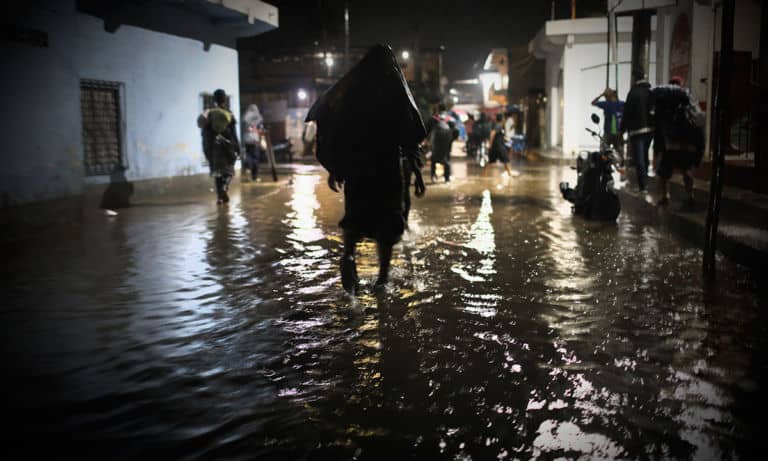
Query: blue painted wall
[{"x": 162, "y": 76}]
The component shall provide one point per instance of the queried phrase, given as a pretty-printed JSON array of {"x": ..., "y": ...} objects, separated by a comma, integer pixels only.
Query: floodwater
[{"x": 511, "y": 330}]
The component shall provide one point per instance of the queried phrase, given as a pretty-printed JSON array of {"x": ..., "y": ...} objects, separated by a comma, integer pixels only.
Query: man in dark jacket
[
  {"x": 220, "y": 143},
  {"x": 638, "y": 123}
]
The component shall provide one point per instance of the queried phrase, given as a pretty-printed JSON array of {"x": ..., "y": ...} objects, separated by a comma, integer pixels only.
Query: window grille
[{"x": 102, "y": 122}]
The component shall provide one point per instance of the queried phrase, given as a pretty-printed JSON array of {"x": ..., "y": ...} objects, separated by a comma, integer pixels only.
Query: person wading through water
[
  {"x": 220, "y": 144},
  {"x": 368, "y": 127}
]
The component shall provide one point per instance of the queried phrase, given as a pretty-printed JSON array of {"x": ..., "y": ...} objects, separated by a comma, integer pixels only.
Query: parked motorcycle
[{"x": 594, "y": 196}]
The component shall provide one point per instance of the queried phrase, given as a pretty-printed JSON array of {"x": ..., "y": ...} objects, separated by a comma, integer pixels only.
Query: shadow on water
[{"x": 510, "y": 330}]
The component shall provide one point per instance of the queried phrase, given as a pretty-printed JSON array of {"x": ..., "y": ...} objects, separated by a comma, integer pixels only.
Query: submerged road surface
[{"x": 510, "y": 330}]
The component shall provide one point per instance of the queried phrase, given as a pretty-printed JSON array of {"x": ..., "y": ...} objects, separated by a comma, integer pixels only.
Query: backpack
[{"x": 219, "y": 120}]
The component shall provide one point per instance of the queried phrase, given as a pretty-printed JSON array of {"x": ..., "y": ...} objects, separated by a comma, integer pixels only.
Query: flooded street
[{"x": 510, "y": 329}]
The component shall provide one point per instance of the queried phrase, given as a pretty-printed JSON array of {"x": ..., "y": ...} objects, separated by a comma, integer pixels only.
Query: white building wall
[
  {"x": 163, "y": 76},
  {"x": 701, "y": 50},
  {"x": 584, "y": 77},
  {"x": 553, "y": 66}
]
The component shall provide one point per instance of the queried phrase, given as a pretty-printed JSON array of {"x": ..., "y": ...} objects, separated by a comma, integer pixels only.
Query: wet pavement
[{"x": 511, "y": 330}]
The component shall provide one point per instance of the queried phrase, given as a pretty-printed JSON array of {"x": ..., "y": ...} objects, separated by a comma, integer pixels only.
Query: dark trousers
[
  {"x": 251, "y": 159},
  {"x": 446, "y": 168},
  {"x": 222, "y": 185},
  {"x": 640, "y": 144}
]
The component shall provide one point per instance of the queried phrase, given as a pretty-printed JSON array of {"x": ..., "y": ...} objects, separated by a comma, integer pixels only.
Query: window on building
[
  {"x": 208, "y": 101},
  {"x": 102, "y": 126}
]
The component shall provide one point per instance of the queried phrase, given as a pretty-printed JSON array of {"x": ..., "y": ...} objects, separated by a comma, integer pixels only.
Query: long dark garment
[
  {"x": 373, "y": 200},
  {"x": 364, "y": 124}
]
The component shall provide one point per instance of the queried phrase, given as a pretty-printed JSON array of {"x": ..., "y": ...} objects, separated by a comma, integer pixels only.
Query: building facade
[
  {"x": 95, "y": 90},
  {"x": 578, "y": 68}
]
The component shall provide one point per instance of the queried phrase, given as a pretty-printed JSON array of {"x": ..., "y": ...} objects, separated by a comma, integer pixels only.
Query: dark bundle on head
[{"x": 369, "y": 112}]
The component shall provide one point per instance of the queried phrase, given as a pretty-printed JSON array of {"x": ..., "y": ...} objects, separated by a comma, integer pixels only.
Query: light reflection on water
[{"x": 511, "y": 330}]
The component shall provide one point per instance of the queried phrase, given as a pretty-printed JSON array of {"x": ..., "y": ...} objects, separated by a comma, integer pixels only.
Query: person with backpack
[
  {"x": 220, "y": 144},
  {"x": 679, "y": 137},
  {"x": 442, "y": 131}
]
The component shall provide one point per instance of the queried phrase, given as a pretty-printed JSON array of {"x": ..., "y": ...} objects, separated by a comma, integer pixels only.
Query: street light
[
  {"x": 329, "y": 60},
  {"x": 405, "y": 55},
  {"x": 302, "y": 95}
]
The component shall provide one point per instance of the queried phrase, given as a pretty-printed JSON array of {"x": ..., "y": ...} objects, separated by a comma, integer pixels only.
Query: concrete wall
[
  {"x": 162, "y": 77},
  {"x": 552, "y": 91},
  {"x": 584, "y": 78}
]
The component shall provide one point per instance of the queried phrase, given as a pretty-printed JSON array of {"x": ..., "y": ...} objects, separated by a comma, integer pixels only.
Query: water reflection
[{"x": 512, "y": 330}]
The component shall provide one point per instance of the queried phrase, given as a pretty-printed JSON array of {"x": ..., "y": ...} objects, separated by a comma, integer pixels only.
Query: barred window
[{"x": 102, "y": 137}]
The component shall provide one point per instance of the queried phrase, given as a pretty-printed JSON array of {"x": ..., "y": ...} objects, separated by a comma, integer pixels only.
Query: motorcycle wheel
[{"x": 605, "y": 206}]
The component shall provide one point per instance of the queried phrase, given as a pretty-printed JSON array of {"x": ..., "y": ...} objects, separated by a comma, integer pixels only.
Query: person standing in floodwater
[
  {"x": 637, "y": 121},
  {"x": 253, "y": 126},
  {"x": 367, "y": 127},
  {"x": 220, "y": 144},
  {"x": 498, "y": 150},
  {"x": 442, "y": 132}
]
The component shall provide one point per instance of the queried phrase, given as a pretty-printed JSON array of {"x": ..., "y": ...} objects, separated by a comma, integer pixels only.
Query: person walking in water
[
  {"x": 638, "y": 123},
  {"x": 679, "y": 140},
  {"x": 253, "y": 126},
  {"x": 220, "y": 144},
  {"x": 442, "y": 132},
  {"x": 498, "y": 149},
  {"x": 366, "y": 160}
]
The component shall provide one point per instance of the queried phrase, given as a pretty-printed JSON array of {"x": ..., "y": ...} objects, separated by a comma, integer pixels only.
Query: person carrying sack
[{"x": 220, "y": 144}]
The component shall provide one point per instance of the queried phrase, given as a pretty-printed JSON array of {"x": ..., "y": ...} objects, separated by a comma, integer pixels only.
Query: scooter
[{"x": 594, "y": 196}]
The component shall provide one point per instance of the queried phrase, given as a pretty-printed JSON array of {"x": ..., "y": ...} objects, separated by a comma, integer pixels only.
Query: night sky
[{"x": 467, "y": 29}]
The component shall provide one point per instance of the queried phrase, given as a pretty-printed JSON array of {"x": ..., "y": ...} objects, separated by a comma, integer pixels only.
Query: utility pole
[
  {"x": 641, "y": 42},
  {"x": 722, "y": 105},
  {"x": 573, "y": 9},
  {"x": 346, "y": 36},
  {"x": 509, "y": 75},
  {"x": 608, "y": 49},
  {"x": 761, "y": 157}
]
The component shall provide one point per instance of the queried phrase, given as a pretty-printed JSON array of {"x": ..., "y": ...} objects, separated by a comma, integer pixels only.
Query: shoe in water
[
  {"x": 381, "y": 283},
  {"x": 225, "y": 197}
]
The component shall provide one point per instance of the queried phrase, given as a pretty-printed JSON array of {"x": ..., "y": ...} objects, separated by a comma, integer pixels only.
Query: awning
[{"x": 210, "y": 21}]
